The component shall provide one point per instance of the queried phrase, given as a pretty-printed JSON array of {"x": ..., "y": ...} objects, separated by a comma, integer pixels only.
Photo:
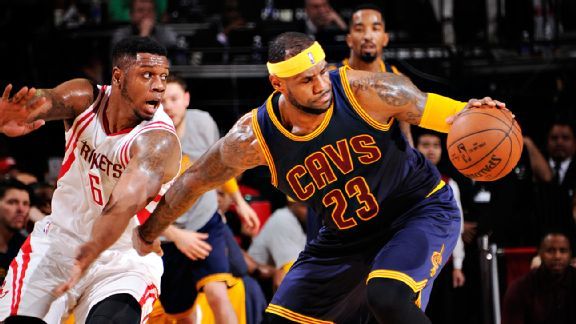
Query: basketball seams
[
  {"x": 509, "y": 132},
  {"x": 507, "y": 160}
]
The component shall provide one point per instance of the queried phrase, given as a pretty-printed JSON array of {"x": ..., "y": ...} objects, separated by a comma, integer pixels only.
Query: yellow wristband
[
  {"x": 437, "y": 109},
  {"x": 231, "y": 186}
]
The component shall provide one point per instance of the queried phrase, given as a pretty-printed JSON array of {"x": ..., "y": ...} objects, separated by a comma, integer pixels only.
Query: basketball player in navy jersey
[{"x": 331, "y": 139}]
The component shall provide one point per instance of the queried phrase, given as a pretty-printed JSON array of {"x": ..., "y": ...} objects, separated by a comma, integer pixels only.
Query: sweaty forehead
[{"x": 151, "y": 60}]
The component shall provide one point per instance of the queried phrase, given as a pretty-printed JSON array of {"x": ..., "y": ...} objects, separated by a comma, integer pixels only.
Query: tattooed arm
[
  {"x": 385, "y": 95},
  {"x": 29, "y": 107},
  {"x": 236, "y": 152},
  {"x": 154, "y": 162}
]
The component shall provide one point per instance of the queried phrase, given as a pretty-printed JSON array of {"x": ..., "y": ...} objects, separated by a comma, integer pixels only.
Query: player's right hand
[
  {"x": 192, "y": 244},
  {"x": 144, "y": 248},
  {"x": 15, "y": 112}
]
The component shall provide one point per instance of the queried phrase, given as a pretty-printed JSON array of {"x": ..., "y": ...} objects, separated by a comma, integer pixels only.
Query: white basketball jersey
[{"x": 93, "y": 162}]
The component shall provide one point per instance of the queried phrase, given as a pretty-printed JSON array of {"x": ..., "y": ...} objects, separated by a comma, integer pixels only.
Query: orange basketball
[{"x": 485, "y": 143}]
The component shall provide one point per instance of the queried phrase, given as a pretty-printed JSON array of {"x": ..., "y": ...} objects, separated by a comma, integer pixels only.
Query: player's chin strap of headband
[{"x": 299, "y": 63}]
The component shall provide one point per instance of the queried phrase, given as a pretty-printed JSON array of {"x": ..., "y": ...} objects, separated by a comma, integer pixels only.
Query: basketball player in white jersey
[{"x": 121, "y": 152}]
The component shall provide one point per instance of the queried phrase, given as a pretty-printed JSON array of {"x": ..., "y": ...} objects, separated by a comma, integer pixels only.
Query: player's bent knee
[
  {"x": 119, "y": 308},
  {"x": 23, "y": 319},
  {"x": 388, "y": 295}
]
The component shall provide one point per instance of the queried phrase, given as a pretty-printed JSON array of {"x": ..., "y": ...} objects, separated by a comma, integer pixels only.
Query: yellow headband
[{"x": 299, "y": 63}]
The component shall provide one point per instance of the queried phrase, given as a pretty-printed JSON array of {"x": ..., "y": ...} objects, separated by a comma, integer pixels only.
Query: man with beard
[
  {"x": 367, "y": 38},
  {"x": 548, "y": 293},
  {"x": 330, "y": 140}
]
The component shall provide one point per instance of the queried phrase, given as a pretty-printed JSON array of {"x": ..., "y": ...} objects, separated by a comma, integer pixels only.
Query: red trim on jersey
[
  {"x": 160, "y": 125},
  {"x": 14, "y": 266},
  {"x": 124, "y": 131},
  {"x": 143, "y": 214},
  {"x": 150, "y": 292},
  {"x": 86, "y": 114},
  {"x": 26, "y": 250},
  {"x": 71, "y": 157}
]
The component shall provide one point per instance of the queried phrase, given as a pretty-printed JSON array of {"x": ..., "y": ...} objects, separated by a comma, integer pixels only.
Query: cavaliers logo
[
  {"x": 311, "y": 57},
  {"x": 436, "y": 261}
]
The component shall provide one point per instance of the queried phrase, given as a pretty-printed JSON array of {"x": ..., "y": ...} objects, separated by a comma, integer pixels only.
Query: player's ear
[
  {"x": 386, "y": 39},
  {"x": 349, "y": 40},
  {"x": 116, "y": 76},
  {"x": 275, "y": 81}
]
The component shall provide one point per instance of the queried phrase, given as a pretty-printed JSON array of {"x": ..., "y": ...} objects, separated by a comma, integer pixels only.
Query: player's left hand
[
  {"x": 477, "y": 103},
  {"x": 249, "y": 216},
  {"x": 16, "y": 111},
  {"x": 87, "y": 253}
]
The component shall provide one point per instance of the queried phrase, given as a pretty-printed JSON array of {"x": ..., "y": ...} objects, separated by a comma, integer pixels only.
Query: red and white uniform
[{"x": 93, "y": 163}]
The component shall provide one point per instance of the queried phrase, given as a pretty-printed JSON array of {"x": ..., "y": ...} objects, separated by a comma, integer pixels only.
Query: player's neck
[
  {"x": 357, "y": 64},
  {"x": 295, "y": 120},
  {"x": 120, "y": 115}
]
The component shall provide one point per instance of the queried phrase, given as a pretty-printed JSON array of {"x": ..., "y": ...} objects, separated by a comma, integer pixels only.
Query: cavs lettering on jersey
[
  {"x": 94, "y": 161},
  {"x": 355, "y": 172}
]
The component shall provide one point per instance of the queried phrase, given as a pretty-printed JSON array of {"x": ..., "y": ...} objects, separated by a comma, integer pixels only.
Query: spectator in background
[
  {"x": 442, "y": 302},
  {"x": 282, "y": 238},
  {"x": 548, "y": 293},
  {"x": 367, "y": 38},
  {"x": 195, "y": 253},
  {"x": 559, "y": 192},
  {"x": 143, "y": 22},
  {"x": 14, "y": 208}
]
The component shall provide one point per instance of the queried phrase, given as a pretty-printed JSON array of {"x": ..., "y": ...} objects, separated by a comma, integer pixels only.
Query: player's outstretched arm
[
  {"x": 236, "y": 152},
  {"x": 155, "y": 160},
  {"x": 28, "y": 108},
  {"x": 386, "y": 95}
]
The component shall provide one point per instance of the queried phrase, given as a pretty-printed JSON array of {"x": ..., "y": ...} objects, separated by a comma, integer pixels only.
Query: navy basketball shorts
[
  {"x": 183, "y": 278},
  {"x": 331, "y": 288}
]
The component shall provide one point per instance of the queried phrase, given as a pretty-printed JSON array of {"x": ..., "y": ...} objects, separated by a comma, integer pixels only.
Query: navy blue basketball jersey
[{"x": 358, "y": 174}]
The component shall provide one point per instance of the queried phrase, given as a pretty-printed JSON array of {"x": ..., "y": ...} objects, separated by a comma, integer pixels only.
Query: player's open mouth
[{"x": 153, "y": 103}]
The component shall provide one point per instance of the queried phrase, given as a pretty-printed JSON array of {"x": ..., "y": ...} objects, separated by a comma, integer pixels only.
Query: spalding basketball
[{"x": 485, "y": 143}]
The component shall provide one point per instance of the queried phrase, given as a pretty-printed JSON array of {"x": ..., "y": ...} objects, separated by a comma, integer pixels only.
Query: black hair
[
  {"x": 366, "y": 6},
  {"x": 172, "y": 78},
  {"x": 127, "y": 48},
  {"x": 555, "y": 232},
  {"x": 423, "y": 132},
  {"x": 561, "y": 122},
  {"x": 10, "y": 183},
  {"x": 287, "y": 45}
]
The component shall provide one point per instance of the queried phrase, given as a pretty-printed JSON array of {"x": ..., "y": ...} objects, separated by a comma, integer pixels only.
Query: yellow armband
[
  {"x": 231, "y": 186},
  {"x": 437, "y": 109}
]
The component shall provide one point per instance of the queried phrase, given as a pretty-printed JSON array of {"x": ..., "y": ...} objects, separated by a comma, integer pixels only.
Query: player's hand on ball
[
  {"x": 143, "y": 248},
  {"x": 485, "y": 102}
]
